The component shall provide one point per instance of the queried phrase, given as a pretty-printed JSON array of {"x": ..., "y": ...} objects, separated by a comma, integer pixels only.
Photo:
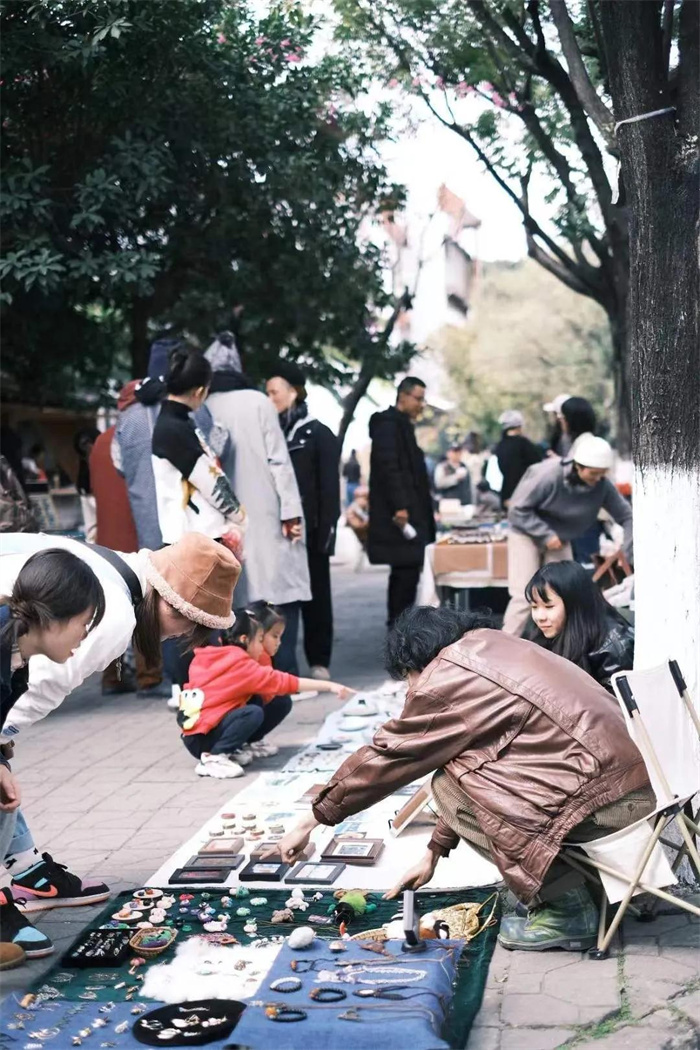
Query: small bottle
[{"x": 408, "y": 531}]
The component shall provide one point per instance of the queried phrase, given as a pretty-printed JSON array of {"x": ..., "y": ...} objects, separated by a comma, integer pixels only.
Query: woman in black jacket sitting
[
  {"x": 315, "y": 455},
  {"x": 571, "y": 618}
]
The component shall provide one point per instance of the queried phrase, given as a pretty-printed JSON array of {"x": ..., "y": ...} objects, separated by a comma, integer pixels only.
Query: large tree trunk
[{"x": 660, "y": 172}]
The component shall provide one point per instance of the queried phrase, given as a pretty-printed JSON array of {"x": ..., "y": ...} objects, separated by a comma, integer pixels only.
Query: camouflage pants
[{"x": 453, "y": 805}]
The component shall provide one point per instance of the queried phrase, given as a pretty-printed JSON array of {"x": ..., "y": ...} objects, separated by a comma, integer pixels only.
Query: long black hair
[
  {"x": 188, "y": 370},
  {"x": 266, "y": 614},
  {"x": 420, "y": 633},
  {"x": 580, "y": 417},
  {"x": 588, "y": 615},
  {"x": 52, "y": 586}
]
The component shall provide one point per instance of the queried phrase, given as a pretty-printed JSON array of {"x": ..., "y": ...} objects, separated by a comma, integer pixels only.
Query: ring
[
  {"x": 327, "y": 995},
  {"x": 287, "y": 1014},
  {"x": 286, "y": 984}
]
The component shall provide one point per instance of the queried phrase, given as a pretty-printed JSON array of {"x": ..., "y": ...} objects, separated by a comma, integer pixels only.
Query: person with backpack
[{"x": 183, "y": 591}]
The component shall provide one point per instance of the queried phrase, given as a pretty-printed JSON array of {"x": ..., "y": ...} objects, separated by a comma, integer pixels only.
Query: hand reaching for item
[
  {"x": 294, "y": 842},
  {"x": 554, "y": 544},
  {"x": 415, "y": 877}
]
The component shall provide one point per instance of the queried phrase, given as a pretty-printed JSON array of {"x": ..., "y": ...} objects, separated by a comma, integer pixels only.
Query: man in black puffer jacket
[{"x": 401, "y": 520}]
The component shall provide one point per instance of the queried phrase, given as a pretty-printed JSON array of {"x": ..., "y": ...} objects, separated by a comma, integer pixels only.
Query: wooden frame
[
  {"x": 224, "y": 845},
  {"x": 355, "y": 851},
  {"x": 201, "y": 876},
  {"x": 218, "y": 860}
]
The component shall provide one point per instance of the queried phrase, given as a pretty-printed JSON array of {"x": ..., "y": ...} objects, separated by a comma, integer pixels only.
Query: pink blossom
[
  {"x": 221, "y": 39},
  {"x": 393, "y": 83},
  {"x": 416, "y": 82},
  {"x": 497, "y": 100},
  {"x": 260, "y": 40},
  {"x": 440, "y": 82},
  {"x": 485, "y": 85},
  {"x": 513, "y": 98},
  {"x": 292, "y": 57},
  {"x": 285, "y": 43}
]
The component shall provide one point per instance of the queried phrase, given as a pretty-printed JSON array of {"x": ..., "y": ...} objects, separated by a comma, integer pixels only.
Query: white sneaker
[
  {"x": 260, "y": 749},
  {"x": 322, "y": 674},
  {"x": 244, "y": 757},
  {"x": 218, "y": 766}
]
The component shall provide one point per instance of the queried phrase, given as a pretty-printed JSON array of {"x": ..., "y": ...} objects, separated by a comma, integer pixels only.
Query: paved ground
[{"x": 110, "y": 791}]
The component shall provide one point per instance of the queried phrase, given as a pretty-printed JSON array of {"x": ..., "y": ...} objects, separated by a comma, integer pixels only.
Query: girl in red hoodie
[{"x": 232, "y": 700}]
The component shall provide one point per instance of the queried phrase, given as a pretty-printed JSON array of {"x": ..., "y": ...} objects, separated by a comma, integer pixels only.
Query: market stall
[{"x": 463, "y": 560}]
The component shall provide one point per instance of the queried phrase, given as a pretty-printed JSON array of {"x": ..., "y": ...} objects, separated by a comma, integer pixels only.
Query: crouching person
[{"x": 529, "y": 752}]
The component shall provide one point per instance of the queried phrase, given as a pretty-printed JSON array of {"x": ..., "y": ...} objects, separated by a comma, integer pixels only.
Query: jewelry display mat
[{"x": 69, "y": 1013}]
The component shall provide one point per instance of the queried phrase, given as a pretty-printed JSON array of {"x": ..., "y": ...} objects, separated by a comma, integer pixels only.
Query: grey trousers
[{"x": 453, "y": 806}]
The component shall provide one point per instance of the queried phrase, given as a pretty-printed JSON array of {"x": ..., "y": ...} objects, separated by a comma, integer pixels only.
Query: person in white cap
[
  {"x": 514, "y": 452},
  {"x": 555, "y": 502}
]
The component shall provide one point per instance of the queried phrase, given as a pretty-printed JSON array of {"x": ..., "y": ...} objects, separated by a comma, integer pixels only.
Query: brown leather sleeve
[
  {"x": 429, "y": 733},
  {"x": 443, "y": 838}
]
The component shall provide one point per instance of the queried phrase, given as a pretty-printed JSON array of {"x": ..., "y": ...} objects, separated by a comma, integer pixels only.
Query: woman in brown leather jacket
[{"x": 528, "y": 751}]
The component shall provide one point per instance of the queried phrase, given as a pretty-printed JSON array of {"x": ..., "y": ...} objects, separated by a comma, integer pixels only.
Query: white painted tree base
[{"x": 667, "y": 571}]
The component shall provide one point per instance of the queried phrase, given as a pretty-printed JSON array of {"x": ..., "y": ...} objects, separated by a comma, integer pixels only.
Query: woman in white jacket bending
[{"x": 182, "y": 590}]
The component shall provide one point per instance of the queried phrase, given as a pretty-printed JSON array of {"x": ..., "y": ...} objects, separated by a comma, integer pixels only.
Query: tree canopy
[
  {"x": 497, "y": 73},
  {"x": 183, "y": 164}
]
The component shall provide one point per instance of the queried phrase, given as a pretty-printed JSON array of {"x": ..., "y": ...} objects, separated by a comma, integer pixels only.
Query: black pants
[
  {"x": 317, "y": 614},
  {"x": 286, "y": 658},
  {"x": 403, "y": 587},
  {"x": 241, "y": 726}
]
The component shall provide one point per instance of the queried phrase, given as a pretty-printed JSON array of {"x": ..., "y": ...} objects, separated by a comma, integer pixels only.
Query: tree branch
[{"x": 594, "y": 107}]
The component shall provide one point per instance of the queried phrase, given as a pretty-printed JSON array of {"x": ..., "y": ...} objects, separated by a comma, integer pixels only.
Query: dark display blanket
[{"x": 66, "y": 1011}]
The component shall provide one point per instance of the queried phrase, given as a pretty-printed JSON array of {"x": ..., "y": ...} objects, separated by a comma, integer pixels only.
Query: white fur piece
[
  {"x": 667, "y": 571},
  {"x": 301, "y": 938},
  {"x": 206, "y": 971},
  {"x": 217, "y": 623}
]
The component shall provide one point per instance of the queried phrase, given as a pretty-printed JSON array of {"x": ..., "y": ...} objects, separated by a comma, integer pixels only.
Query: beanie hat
[
  {"x": 197, "y": 576},
  {"x": 511, "y": 418},
  {"x": 288, "y": 370},
  {"x": 591, "y": 451}
]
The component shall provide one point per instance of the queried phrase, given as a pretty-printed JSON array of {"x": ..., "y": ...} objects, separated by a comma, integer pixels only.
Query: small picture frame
[
  {"x": 220, "y": 860},
  {"x": 204, "y": 876},
  {"x": 228, "y": 846},
  {"x": 362, "y": 851},
  {"x": 263, "y": 871},
  {"x": 313, "y": 874}
]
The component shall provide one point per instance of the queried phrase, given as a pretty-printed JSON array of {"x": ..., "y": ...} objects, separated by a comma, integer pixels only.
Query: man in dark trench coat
[{"x": 401, "y": 520}]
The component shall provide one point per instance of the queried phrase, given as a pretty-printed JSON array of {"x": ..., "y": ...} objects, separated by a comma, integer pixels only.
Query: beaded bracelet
[{"x": 327, "y": 995}]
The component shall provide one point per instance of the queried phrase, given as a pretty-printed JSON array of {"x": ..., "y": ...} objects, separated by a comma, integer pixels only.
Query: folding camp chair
[{"x": 665, "y": 727}]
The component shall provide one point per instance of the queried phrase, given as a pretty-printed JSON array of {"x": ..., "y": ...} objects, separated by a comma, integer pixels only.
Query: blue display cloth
[
  {"x": 414, "y": 1021},
  {"x": 65, "y": 1019}
]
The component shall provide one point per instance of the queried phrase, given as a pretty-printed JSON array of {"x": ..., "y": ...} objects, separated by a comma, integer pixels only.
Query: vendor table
[{"x": 459, "y": 566}]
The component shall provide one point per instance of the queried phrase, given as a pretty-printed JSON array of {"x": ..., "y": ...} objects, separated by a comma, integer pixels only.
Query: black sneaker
[
  {"x": 50, "y": 885},
  {"x": 15, "y": 929}
]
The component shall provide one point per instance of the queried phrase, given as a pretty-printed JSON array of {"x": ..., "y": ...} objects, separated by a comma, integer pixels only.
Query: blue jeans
[
  {"x": 351, "y": 488},
  {"x": 21, "y": 838},
  {"x": 286, "y": 658},
  {"x": 7, "y": 829}
]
